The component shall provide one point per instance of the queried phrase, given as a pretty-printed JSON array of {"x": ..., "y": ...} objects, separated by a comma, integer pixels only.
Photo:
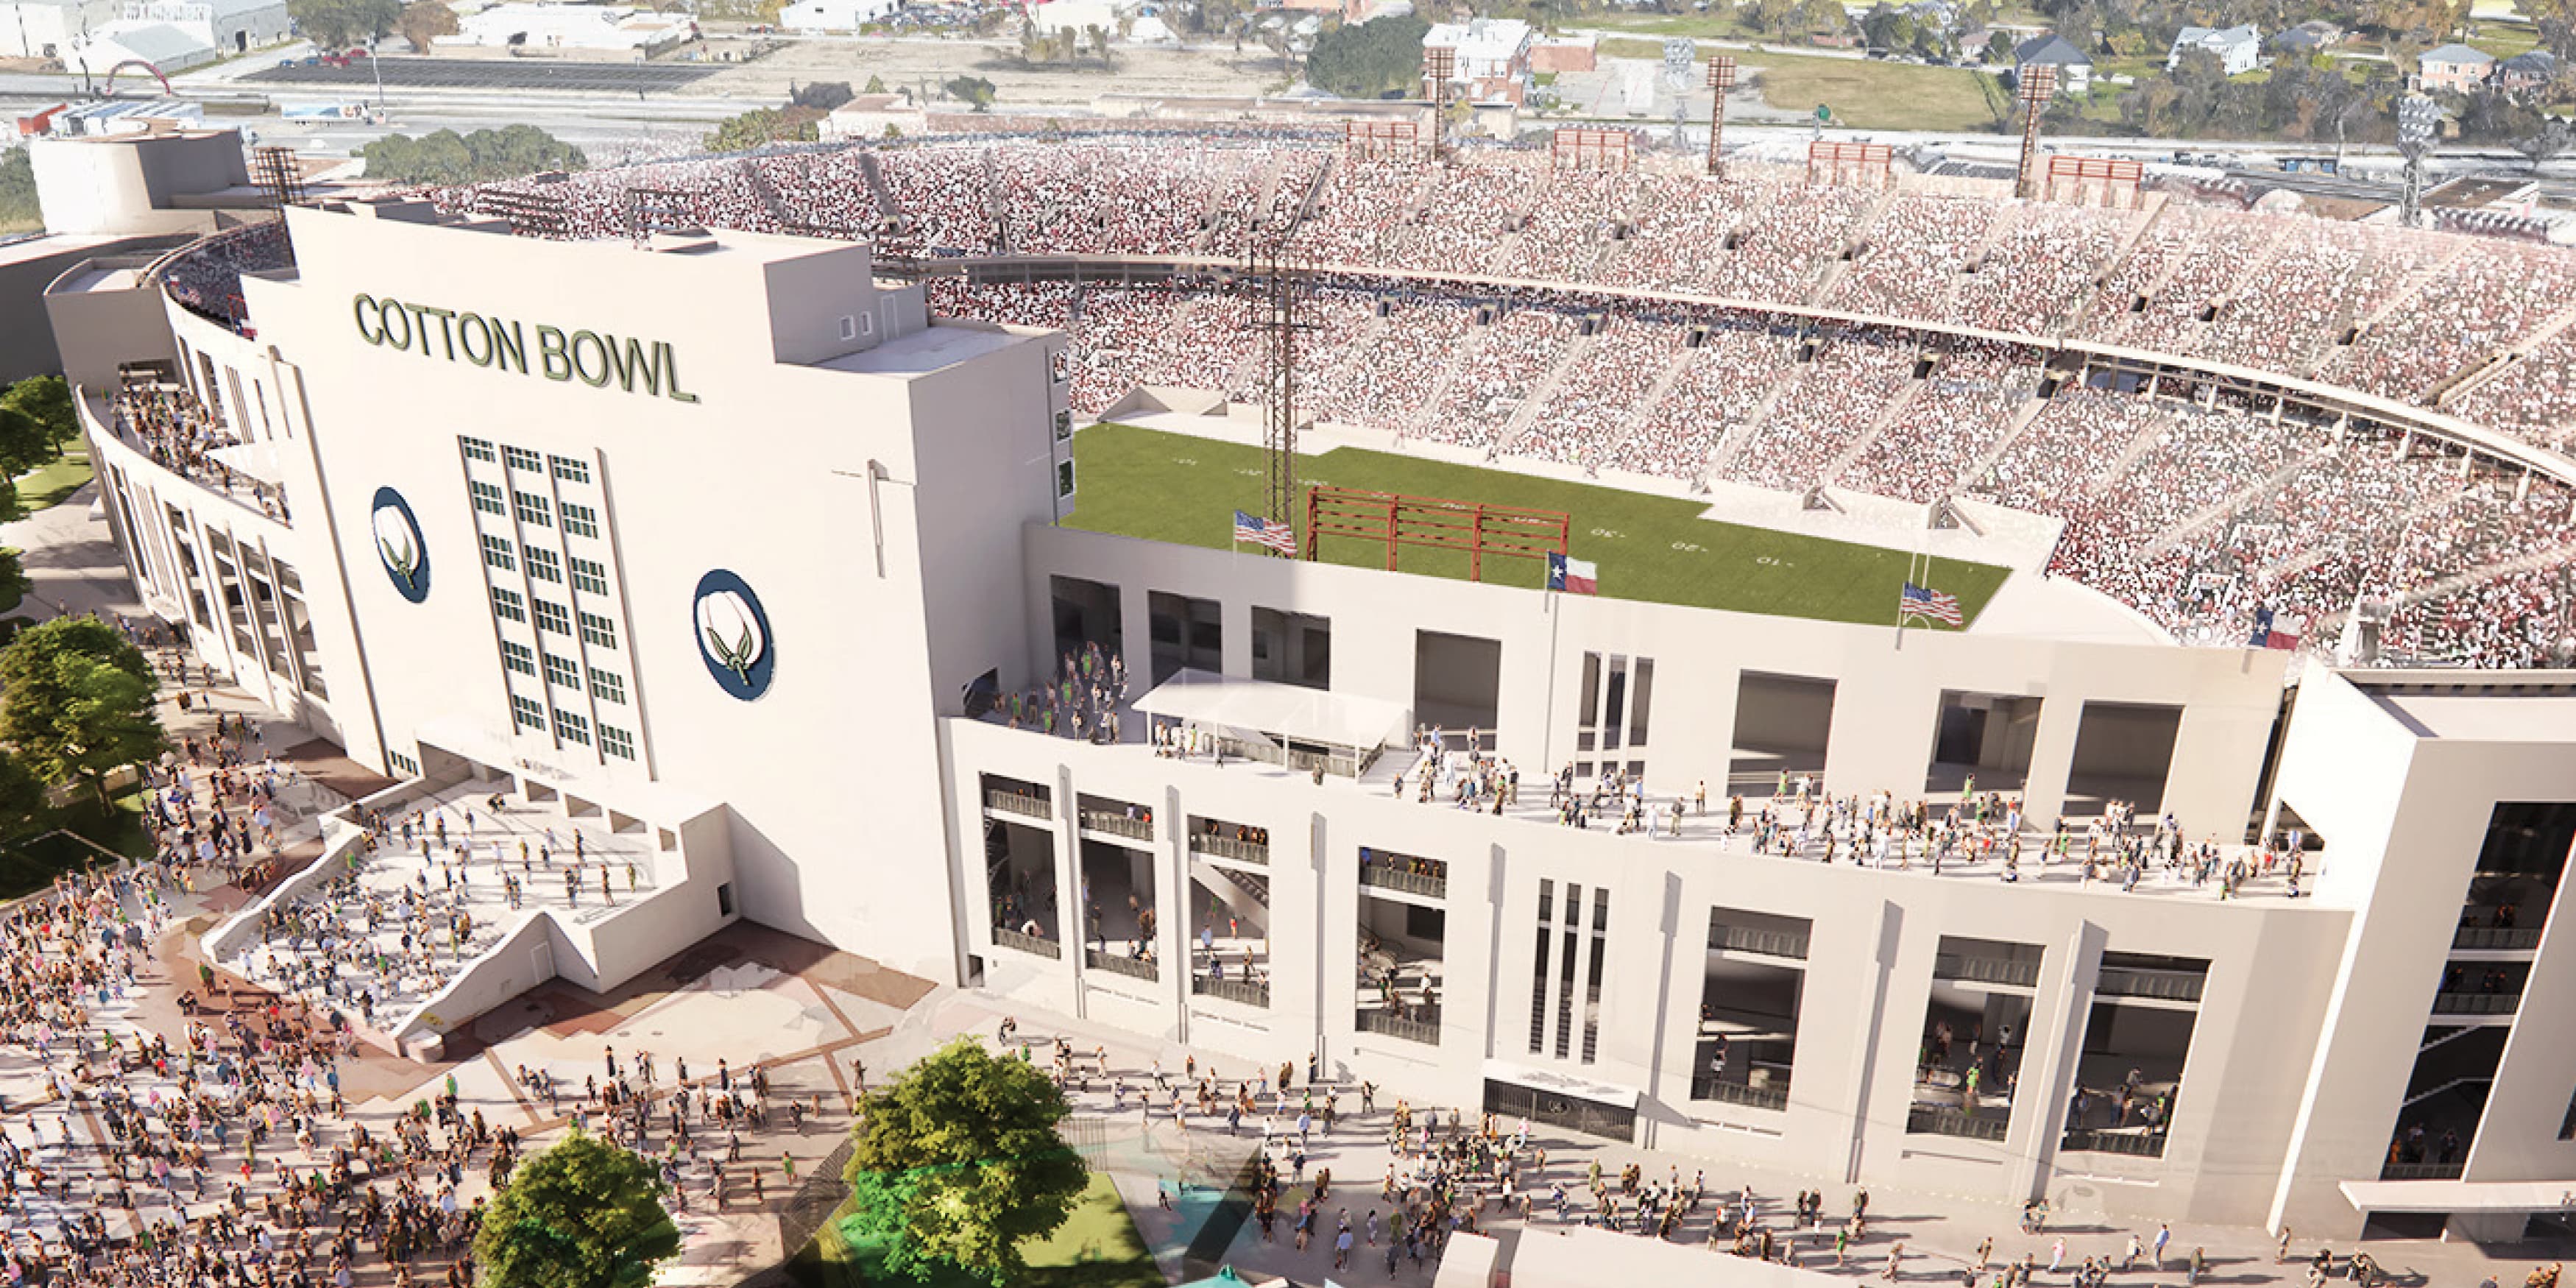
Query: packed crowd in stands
[{"x": 2197, "y": 514}]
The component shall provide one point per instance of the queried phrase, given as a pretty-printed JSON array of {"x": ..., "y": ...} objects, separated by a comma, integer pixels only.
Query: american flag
[
  {"x": 1919, "y": 601},
  {"x": 1262, "y": 532}
]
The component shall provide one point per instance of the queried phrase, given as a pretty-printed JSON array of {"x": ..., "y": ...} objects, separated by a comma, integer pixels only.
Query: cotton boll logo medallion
[
  {"x": 399, "y": 546},
  {"x": 733, "y": 635}
]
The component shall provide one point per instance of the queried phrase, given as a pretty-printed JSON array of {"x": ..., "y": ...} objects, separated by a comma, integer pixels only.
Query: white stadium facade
[{"x": 725, "y": 536}]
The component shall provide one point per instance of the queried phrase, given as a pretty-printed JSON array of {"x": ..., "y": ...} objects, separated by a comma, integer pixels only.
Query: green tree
[
  {"x": 583, "y": 1214},
  {"x": 822, "y": 96},
  {"x": 446, "y": 157},
  {"x": 76, "y": 700},
  {"x": 876, "y": 85},
  {"x": 22, "y": 798},
  {"x": 25, "y": 443},
  {"x": 1370, "y": 59},
  {"x": 975, "y": 91},
  {"x": 423, "y": 21},
  {"x": 336, "y": 23},
  {"x": 957, "y": 1163},
  {"x": 763, "y": 126},
  {"x": 49, "y": 400},
  {"x": 18, "y": 208}
]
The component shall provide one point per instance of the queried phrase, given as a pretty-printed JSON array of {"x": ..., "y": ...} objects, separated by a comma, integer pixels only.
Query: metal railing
[
  {"x": 1227, "y": 847},
  {"x": 1394, "y": 878},
  {"x": 1426, "y": 1032},
  {"x": 2422, "y": 1171},
  {"x": 1017, "y": 803},
  {"x": 1710, "y": 1087},
  {"x": 1950, "y": 1122},
  {"x": 1248, "y": 992},
  {"x": 1120, "y": 964},
  {"x": 2476, "y": 1003},
  {"x": 2164, "y": 985},
  {"x": 1986, "y": 970},
  {"x": 2510, "y": 938},
  {"x": 1005, "y": 937},
  {"x": 2097, "y": 1141},
  {"x": 1116, "y": 824},
  {"x": 1769, "y": 943}
]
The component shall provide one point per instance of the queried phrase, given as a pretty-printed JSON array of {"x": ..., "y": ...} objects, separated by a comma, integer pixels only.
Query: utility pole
[
  {"x": 1721, "y": 82},
  {"x": 2037, "y": 90}
]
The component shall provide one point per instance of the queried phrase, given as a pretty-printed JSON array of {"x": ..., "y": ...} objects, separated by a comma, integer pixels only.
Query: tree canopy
[
  {"x": 762, "y": 126},
  {"x": 423, "y": 21},
  {"x": 76, "y": 700},
  {"x": 334, "y": 24},
  {"x": 18, "y": 207},
  {"x": 49, "y": 400},
  {"x": 583, "y": 1214},
  {"x": 485, "y": 155},
  {"x": 957, "y": 1163},
  {"x": 1369, "y": 59},
  {"x": 975, "y": 91}
]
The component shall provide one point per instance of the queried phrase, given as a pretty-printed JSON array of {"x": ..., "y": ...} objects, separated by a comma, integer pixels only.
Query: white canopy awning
[
  {"x": 2460, "y": 1196},
  {"x": 1600, "y": 1093},
  {"x": 1280, "y": 710}
]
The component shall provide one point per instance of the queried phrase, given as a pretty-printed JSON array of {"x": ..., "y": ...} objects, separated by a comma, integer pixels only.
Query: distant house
[
  {"x": 2237, "y": 49},
  {"x": 1491, "y": 56},
  {"x": 2074, "y": 68},
  {"x": 2314, "y": 36},
  {"x": 2455, "y": 68},
  {"x": 2526, "y": 72}
]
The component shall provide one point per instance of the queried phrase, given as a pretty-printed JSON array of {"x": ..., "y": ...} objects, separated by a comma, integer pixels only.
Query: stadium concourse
[{"x": 2198, "y": 505}]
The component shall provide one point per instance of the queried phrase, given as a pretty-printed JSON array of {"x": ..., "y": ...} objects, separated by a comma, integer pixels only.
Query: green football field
[{"x": 1185, "y": 490}]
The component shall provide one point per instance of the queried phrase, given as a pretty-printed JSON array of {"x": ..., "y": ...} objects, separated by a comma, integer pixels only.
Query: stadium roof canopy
[{"x": 1280, "y": 710}]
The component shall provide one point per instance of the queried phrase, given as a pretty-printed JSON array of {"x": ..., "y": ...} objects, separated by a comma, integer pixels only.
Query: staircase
[
  {"x": 2460, "y": 385},
  {"x": 1642, "y": 413},
  {"x": 1721, "y": 458},
  {"x": 2022, "y": 415},
  {"x": 1536, "y": 400},
  {"x": 1245, "y": 894},
  {"x": 2119, "y": 325},
  {"x": 2225, "y": 506},
  {"x": 1467, "y": 351},
  {"x": 1834, "y": 269},
  {"x": 1878, "y": 424},
  {"x": 2330, "y": 354}
]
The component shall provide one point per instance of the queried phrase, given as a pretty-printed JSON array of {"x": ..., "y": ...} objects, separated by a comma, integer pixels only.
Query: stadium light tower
[
  {"x": 2419, "y": 123},
  {"x": 2038, "y": 89},
  {"x": 1439, "y": 63},
  {"x": 1276, "y": 280},
  {"x": 1721, "y": 82}
]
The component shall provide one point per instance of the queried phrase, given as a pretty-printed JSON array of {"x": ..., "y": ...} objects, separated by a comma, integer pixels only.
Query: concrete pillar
[
  {"x": 1172, "y": 909},
  {"x": 1234, "y": 618},
  {"x": 2049, "y": 1059},
  {"x": 1068, "y": 886},
  {"x": 1135, "y": 639},
  {"x": 2052, "y": 758}
]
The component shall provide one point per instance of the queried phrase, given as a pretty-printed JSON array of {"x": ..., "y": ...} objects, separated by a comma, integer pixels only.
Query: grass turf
[
  {"x": 49, "y": 848},
  {"x": 1182, "y": 489},
  {"x": 1097, "y": 1247},
  {"x": 53, "y": 483},
  {"x": 1864, "y": 93}
]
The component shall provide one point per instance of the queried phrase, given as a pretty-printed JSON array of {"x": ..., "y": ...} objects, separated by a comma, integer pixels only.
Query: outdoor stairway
[
  {"x": 2460, "y": 385},
  {"x": 2332, "y": 355},
  {"x": 1722, "y": 457},
  {"x": 1831, "y": 275},
  {"x": 1878, "y": 424},
  {"x": 2023, "y": 414},
  {"x": 1536, "y": 400},
  {"x": 1643, "y": 412},
  {"x": 1458, "y": 361}
]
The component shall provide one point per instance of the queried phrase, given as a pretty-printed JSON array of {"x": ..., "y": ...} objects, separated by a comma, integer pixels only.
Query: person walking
[{"x": 2164, "y": 1235}]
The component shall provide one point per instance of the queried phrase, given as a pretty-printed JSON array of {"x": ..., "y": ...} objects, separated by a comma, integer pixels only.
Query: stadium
[{"x": 2202, "y": 870}]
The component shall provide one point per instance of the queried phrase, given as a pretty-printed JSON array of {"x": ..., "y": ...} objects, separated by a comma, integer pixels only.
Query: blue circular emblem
[
  {"x": 733, "y": 635},
  {"x": 398, "y": 544}
]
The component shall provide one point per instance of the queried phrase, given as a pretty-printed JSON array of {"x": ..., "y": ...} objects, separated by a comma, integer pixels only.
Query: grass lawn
[
  {"x": 50, "y": 485},
  {"x": 1097, "y": 1247},
  {"x": 1865, "y": 94},
  {"x": 31, "y": 862},
  {"x": 1184, "y": 490}
]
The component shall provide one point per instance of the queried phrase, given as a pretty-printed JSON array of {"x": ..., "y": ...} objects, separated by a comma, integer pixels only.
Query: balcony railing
[
  {"x": 1426, "y": 1032},
  {"x": 1926, "y": 1119},
  {"x": 1710, "y": 1087},
  {"x": 1227, "y": 847},
  {"x": 1117, "y": 824},
  {"x": 2422, "y": 1171},
  {"x": 2163, "y": 985},
  {"x": 1394, "y": 878},
  {"x": 2508, "y": 938},
  {"x": 1769, "y": 943},
  {"x": 2134, "y": 1144},
  {"x": 2476, "y": 1003},
  {"x": 1986, "y": 970},
  {"x": 1248, "y": 992},
  {"x": 1007, "y": 938},
  {"x": 1018, "y": 803},
  {"x": 1120, "y": 964}
]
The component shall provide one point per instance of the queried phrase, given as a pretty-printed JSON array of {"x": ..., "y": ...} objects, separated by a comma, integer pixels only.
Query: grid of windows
[
  {"x": 608, "y": 686},
  {"x": 563, "y": 671},
  {"x": 598, "y": 631},
  {"x": 496, "y": 551},
  {"x": 477, "y": 449},
  {"x": 570, "y": 471},
  {"x": 507, "y": 605},
  {"x": 487, "y": 497},
  {"x": 532, "y": 508},
  {"x": 520, "y": 458},
  {"x": 554, "y": 617},
  {"x": 572, "y": 728},
  {"x": 580, "y": 520},
  {"x": 617, "y": 742},
  {"x": 589, "y": 575},
  {"x": 542, "y": 564},
  {"x": 529, "y": 712},
  {"x": 518, "y": 657}
]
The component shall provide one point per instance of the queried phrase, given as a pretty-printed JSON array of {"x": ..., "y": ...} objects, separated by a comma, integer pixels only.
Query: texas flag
[
  {"x": 2275, "y": 631},
  {"x": 1573, "y": 576}
]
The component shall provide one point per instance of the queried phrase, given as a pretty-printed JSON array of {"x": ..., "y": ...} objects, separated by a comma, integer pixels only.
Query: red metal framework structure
[
  {"x": 1861, "y": 165},
  {"x": 2075, "y": 178},
  {"x": 1382, "y": 138},
  {"x": 1397, "y": 520},
  {"x": 1583, "y": 147}
]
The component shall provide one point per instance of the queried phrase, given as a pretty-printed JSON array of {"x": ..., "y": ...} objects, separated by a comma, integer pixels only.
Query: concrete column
[
  {"x": 1668, "y": 917},
  {"x": 1068, "y": 885},
  {"x": 1172, "y": 909},
  {"x": 2049, "y": 1059},
  {"x": 1865, "y": 1073},
  {"x": 1135, "y": 640},
  {"x": 1337, "y": 939},
  {"x": 2052, "y": 758},
  {"x": 1234, "y": 617}
]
